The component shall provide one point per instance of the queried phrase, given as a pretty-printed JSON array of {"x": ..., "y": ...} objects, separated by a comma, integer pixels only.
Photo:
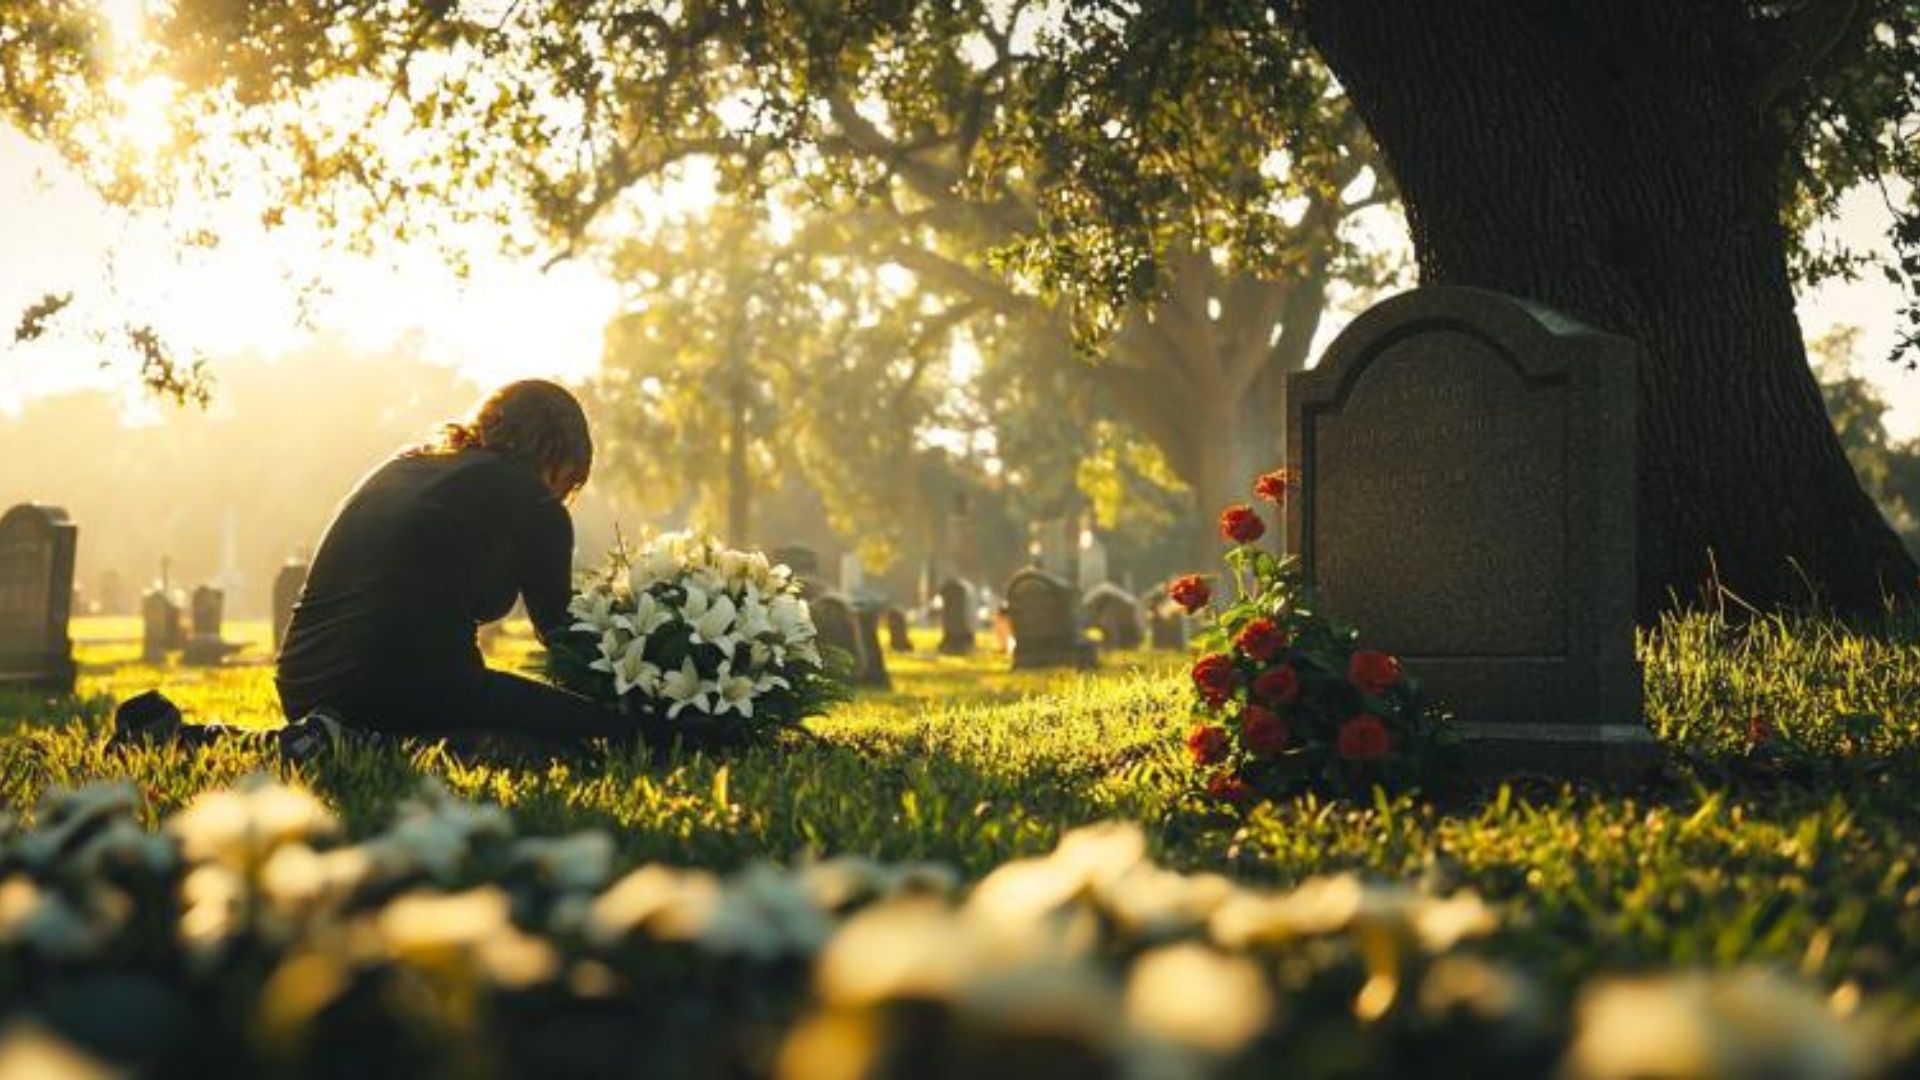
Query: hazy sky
[{"x": 508, "y": 320}]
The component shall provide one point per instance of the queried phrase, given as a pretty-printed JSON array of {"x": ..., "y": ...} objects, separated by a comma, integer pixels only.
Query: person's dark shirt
[{"x": 427, "y": 548}]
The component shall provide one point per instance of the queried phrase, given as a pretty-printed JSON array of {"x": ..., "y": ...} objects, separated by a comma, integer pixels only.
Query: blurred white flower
[
  {"x": 123, "y": 844},
  {"x": 242, "y": 825},
  {"x": 64, "y": 815},
  {"x": 1191, "y": 995},
  {"x": 43, "y": 921},
  {"x": 298, "y": 878},
  {"x": 673, "y": 905},
  {"x": 576, "y": 863},
  {"x": 765, "y": 913},
  {"x": 791, "y": 619},
  {"x": 1029, "y": 888},
  {"x": 464, "y": 934},
  {"x": 31, "y": 1052},
  {"x": 1744, "y": 1023},
  {"x": 433, "y": 833}
]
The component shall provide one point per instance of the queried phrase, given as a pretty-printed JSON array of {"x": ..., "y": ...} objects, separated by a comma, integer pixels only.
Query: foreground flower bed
[{"x": 247, "y": 936}]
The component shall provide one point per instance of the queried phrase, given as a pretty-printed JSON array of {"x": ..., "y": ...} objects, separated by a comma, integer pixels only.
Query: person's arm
[{"x": 546, "y": 567}]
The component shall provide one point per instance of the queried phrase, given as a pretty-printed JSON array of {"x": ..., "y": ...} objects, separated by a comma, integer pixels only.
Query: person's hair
[{"x": 534, "y": 421}]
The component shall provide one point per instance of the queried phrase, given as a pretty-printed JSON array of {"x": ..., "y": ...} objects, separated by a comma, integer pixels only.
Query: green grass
[{"x": 1803, "y": 856}]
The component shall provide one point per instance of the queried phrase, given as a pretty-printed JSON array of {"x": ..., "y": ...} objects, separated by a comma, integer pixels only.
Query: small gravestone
[
  {"x": 161, "y": 631},
  {"x": 1166, "y": 622},
  {"x": 956, "y": 618},
  {"x": 1115, "y": 614},
  {"x": 895, "y": 621},
  {"x": 287, "y": 585},
  {"x": 839, "y": 626},
  {"x": 36, "y": 597},
  {"x": 867, "y": 608},
  {"x": 1042, "y": 622},
  {"x": 1469, "y": 480},
  {"x": 206, "y": 646},
  {"x": 801, "y": 559}
]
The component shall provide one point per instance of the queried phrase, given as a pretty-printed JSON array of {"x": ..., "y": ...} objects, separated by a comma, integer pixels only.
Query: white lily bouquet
[{"x": 695, "y": 641}]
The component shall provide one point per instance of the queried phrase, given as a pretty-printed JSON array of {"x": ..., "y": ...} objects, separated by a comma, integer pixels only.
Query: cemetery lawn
[{"x": 1787, "y": 833}]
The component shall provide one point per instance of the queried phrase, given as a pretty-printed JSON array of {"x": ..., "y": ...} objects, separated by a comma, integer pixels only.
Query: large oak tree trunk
[{"x": 1609, "y": 158}]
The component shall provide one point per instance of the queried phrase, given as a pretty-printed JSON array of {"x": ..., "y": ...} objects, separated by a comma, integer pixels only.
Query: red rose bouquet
[{"x": 1285, "y": 697}]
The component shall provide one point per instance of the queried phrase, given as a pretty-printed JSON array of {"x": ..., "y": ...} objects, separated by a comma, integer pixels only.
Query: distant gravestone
[
  {"x": 206, "y": 646},
  {"x": 956, "y": 618},
  {"x": 36, "y": 596},
  {"x": 1166, "y": 622},
  {"x": 161, "y": 631},
  {"x": 895, "y": 621},
  {"x": 872, "y": 669},
  {"x": 1115, "y": 614},
  {"x": 1469, "y": 482},
  {"x": 287, "y": 585},
  {"x": 839, "y": 626},
  {"x": 1043, "y": 622},
  {"x": 801, "y": 559}
]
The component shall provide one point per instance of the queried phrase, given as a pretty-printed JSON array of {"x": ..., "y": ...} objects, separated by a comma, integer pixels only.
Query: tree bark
[{"x": 1614, "y": 159}]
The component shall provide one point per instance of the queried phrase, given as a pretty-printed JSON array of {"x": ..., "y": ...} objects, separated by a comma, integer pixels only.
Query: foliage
[
  {"x": 1284, "y": 696},
  {"x": 1888, "y": 470},
  {"x": 245, "y": 936},
  {"x": 696, "y": 642}
]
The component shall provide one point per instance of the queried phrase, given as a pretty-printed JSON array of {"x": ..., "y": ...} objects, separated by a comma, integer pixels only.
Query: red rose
[
  {"x": 1214, "y": 675},
  {"x": 1228, "y": 788},
  {"x": 1261, "y": 639},
  {"x": 1759, "y": 729},
  {"x": 1190, "y": 592},
  {"x": 1207, "y": 744},
  {"x": 1274, "y": 486},
  {"x": 1279, "y": 685},
  {"x": 1372, "y": 672},
  {"x": 1263, "y": 730},
  {"x": 1241, "y": 525},
  {"x": 1364, "y": 738}
]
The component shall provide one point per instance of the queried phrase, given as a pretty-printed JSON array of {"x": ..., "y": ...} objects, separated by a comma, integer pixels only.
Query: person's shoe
[
  {"x": 312, "y": 737},
  {"x": 145, "y": 719}
]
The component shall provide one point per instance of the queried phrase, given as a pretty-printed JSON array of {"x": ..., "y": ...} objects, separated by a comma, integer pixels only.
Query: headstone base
[
  {"x": 1083, "y": 654},
  {"x": 1613, "y": 752},
  {"x": 56, "y": 674},
  {"x": 207, "y": 652}
]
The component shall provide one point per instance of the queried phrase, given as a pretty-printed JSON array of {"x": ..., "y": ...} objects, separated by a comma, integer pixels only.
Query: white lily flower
[
  {"x": 755, "y": 621},
  {"x": 648, "y": 615},
  {"x": 791, "y": 619},
  {"x": 769, "y": 681},
  {"x": 592, "y": 610},
  {"x": 712, "y": 618},
  {"x": 806, "y": 652},
  {"x": 733, "y": 693},
  {"x": 634, "y": 670},
  {"x": 684, "y": 688},
  {"x": 612, "y": 647}
]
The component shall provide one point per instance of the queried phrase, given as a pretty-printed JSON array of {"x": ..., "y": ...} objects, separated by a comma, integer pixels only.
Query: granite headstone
[
  {"x": 957, "y": 626},
  {"x": 1114, "y": 614},
  {"x": 36, "y": 597},
  {"x": 1469, "y": 503},
  {"x": 1042, "y": 620}
]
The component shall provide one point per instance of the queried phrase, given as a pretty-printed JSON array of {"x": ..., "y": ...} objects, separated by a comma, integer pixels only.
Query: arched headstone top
[{"x": 1539, "y": 342}]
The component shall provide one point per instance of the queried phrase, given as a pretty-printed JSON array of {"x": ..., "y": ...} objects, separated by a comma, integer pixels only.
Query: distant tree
[{"x": 1889, "y": 470}]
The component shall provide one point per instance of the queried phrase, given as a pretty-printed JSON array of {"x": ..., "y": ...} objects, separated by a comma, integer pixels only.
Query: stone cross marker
[
  {"x": 1469, "y": 503},
  {"x": 36, "y": 597},
  {"x": 1114, "y": 612},
  {"x": 1046, "y": 633},
  {"x": 286, "y": 593},
  {"x": 956, "y": 618}
]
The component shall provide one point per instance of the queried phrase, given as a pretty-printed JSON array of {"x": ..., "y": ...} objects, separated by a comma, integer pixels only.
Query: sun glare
[{"x": 145, "y": 121}]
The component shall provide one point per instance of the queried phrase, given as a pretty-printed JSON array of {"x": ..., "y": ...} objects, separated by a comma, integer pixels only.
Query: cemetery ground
[{"x": 1786, "y": 835}]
